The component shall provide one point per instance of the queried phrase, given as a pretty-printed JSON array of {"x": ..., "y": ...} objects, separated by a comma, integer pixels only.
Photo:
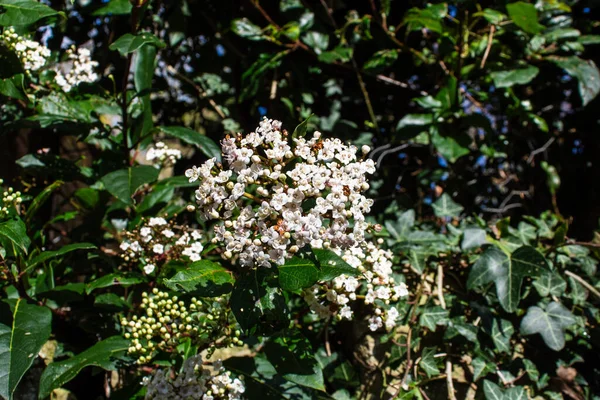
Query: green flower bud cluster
[
  {"x": 10, "y": 199},
  {"x": 167, "y": 320}
]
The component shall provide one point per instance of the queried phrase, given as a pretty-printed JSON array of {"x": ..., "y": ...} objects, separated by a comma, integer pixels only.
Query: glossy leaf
[
  {"x": 585, "y": 71},
  {"x": 297, "y": 273},
  {"x": 129, "y": 43},
  {"x": 525, "y": 16},
  {"x": 13, "y": 235},
  {"x": 116, "y": 279},
  {"x": 104, "y": 354},
  {"x": 331, "y": 265},
  {"x": 446, "y": 207},
  {"x": 124, "y": 183},
  {"x": 549, "y": 323},
  {"x": 519, "y": 76},
  {"x": 203, "y": 278},
  {"x": 21, "y": 342},
  {"x": 47, "y": 255},
  {"x": 246, "y": 29},
  {"x": 206, "y": 145},
  {"x": 23, "y": 12}
]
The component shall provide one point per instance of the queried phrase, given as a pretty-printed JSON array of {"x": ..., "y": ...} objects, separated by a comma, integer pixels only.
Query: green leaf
[
  {"x": 549, "y": 323},
  {"x": 206, "y": 145},
  {"x": 204, "y": 278},
  {"x": 104, "y": 354},
  {"x": 585, "y": 71},
  {"x": 297, "y": 273},
  {"x": 450, "y": 147},
  {"x": 129, "y": 43},
  {"x": 446, "y": 207},
  {"x": 124, "y": 183},
  {"x": 428, "y": 102},
  {"x": 316, "y": 40},
  {"x": 331, "y": 265},
  {"x": 246, "y": 29},
  {"x": 525, "y": 16},
  {"x": 294, "y": 359},
  {"x": 23, "y": 12},
  {"x": 428, "y": 363},
  {"x": 531, "y": 370},
  {"x": 589, "y": 39},
  {"x": 401, "y": 228},
  {"x": 507, "y": 273},
  {"x": 411, "y": 120},
  {"x": 13, "y": 87},
  {"x": 258, "y": 304},
  {"x": 143, "y": 74},
  {"x": 520, "y": 76},
  {"x": 120, "y": 278},
  {"x": 160, "y": 194},
  {"x": 40, "y": 199},
  {"x": 340, "y": 53},
  {"x": 13, "y": 235},
  {"x": 550, "y": 284},
  {"x": 46, "y": 255},
  {"x": 473, "y": 238},
  {"x": 492, "y": 391},
  {"x": 20, "y": 345},
  {"x": 492, "y": 16},
  {"x": 432, "y": 316},
  {"x": 300, "y": 130},
  {"x": 481, "y": 368},
  {"x": 502, "y": 331},
  {"x": 430, "y": 18},
  {"x": 381, "y": 59},
  {"x": 114, "y": 7}
]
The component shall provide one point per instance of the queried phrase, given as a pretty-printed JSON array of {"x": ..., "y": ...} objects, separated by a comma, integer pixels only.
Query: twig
[
  {"x": 440, "y": 285},
  {"x": 387, "y": 79},
  {"x": 449, "y": 382},
  {"x": 423, "y": 394},
  {"x": 256, "y": 5},
  {"x": 365, "y": 93},
  {"x": 385, "y": 153},
  {"x": 540, "y": 150},
  {"x": 584, "y": 283},
  {"x": 488, "y": 47}
]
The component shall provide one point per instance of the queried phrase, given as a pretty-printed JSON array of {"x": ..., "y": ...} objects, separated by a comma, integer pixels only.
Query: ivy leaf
[
  {"x": 297, "y": 273},
  {"x": 258, "y": 304},
  {"x": 507, "y": 273},
  {"x": 301, "y": 129},
  {"x": 246, "y": 29},
  {"x": 316, "y": 40},
  {"x": 432, "y": 316},
  {"x": 204, "y": 277},
  {"x": 104, "y": 354},
  {"x": 525, "y": 16},
  {"x": 428, "y": 363},
  {"x": 520, "y": 76},
  {"x": 473, "y": 238},
  {"x": 129, "y": 43},
  {"x": 446, "y": 207},
  {"x": 13, "y": 235},
  {"x": 331, "y": 265},
  {"x": 494, "y": 392},
  {"x": 206, "y": 145},
  {"x": 23, "y": 12},
  {"x": 481, "y": 368},
  {"x": 124, "y": 183},
  {"x": 585, "y": 71},
  {"x": 293, "y": 358},
  {"x": 46, "y": 255},
  {"x": 19, "y": 345},
  {"x": 550, "y": 284},
  {"x": 502, "y": 331},
  {"x": 549, "y": 323}
]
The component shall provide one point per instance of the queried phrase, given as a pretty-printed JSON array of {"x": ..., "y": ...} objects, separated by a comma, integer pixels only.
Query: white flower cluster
[
  {"x": 79, "y": 68},
  {"x": 162, "y": 155},
  {"x": 307, "y": 192},
  {"x": 194, "y": 382},
  {"x": 10, "y": 199},
  {"x": 32, "y": 54},
  {"x": 167, "y": 319},
  {"x": 375, "y": 281},
  {"x": 159, "y": 241}
]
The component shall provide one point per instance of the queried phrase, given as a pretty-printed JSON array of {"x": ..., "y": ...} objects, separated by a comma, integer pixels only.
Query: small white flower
[
  {"x": 168, "y": 233},
  {"x": 158, "y": 248},
  {"x": 149, "y": 268}
]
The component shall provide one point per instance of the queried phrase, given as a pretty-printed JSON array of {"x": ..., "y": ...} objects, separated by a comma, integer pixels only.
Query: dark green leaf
[
  {"x": 124, "y": 183},
  {"x": 506, "y": 273},
  {"x": 381, "y": 59},
  {"x": 473, "y": 238},
  {"x": 114, "y": 7},
  {"x": 206, "y": 145},
  {"x": 121, "y": 279},
  {"x": 525, "y": 16},
  {"x": 23, "y": 12},
  {"x": 129, "y": 43},
  {"x": 585, "y": 71},
  {"x": 549, "y": 323},
  {"x": 46, "y": 255},
  {"x": 340, "y": 53},
  {"x": 550, "y": 284},
  {"x": 293, "y": 358},
  {"x": 204, "y": 278},
  {"x": 428, "y": 363},
  {"x": 432, "y": 316},
  {"x": 520, "y": 76},
  {"x": 316, "y": 40},
  {"x": 450, "y": 147},
  {"x": 13, "y": 87},
  {"x": 331, "y": 265},
  {"x": 502, "y": 331},
  {"x": 300, "y": 130},
  {"x": 40, "y": 199},
  {"x": 13, "y": 235},
  {"x": 19, "y": 345},
  {"x": 430, "y": 18},
  {"x": 297, "y": 273},
  {"x": 104, "y": 354}
]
